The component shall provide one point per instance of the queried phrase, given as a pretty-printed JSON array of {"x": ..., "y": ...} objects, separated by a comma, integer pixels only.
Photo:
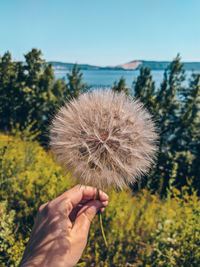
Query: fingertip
[
  {"x": 102, "y": 209},
  {"x": 103, "y": 196},
  {"x": 105, "y": 203}
]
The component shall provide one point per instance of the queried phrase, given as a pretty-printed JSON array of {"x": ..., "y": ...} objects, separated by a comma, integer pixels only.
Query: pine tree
[
  {"x": 29, "y": 93},
  {"x": 33, "y": 67},
  {"x": 186, "y": 138},
  {"x": 144, "y": 89},
  {"x": 9, "y": 92},
  {"x": 75, "y": 85},
  {"x": 168, "y": 102},
  {"x": 168, "y": 109},
  {"x": 121, "y": 86}
]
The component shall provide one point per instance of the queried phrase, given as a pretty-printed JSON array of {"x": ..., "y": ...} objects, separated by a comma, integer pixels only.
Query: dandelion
[{"x": 105, "y": 139}]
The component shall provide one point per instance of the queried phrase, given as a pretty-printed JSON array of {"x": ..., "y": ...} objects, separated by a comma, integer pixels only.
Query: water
[{"x": 106, "y": 78}]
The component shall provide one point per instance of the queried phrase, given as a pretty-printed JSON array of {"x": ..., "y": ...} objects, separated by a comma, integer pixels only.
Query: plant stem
[
  {"x": 102, "y": 230},
  {"x": 100, "y": 221}
]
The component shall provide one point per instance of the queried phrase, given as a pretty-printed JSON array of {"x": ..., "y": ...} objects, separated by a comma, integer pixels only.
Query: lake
[{"x": 106, "y": 78}]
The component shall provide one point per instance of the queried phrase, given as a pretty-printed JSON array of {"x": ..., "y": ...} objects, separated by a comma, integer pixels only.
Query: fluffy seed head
[{"x": 105, "y": 139}]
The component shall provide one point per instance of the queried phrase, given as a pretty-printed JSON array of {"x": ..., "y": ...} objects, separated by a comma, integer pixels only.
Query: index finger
[{"x": 83, "y": 193}]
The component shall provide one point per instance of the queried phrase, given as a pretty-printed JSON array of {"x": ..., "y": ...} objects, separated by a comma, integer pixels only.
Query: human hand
[{"x": 60, "y": 232}]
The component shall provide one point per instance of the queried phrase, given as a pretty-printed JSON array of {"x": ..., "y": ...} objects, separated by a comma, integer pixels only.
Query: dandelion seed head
[{"x": 104, "y": 138}]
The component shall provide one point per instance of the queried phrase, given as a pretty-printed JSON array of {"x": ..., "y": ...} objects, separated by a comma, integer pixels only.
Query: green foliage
[
  {"x": 28, "y": 178},
  {"x": 11, "y": 248},
  {"x": 10, "y": 90},
  {"x": 144, "y": 89},
  {"x": 175, "y": 109},
  {"x": 176, "y": 239},
  {"x": 141, "y": 229},
  {"x": 30, "y": 94},
  {"x": 75, "y": 85},
  {"x": 121, "y": 86}
]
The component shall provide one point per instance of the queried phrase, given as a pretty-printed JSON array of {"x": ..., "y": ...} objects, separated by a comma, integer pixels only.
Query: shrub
[
  {"x": 141, "y": 229},
  {"x": 11, "y": 249},
  {"x": 28, "y": 178},
  {"x": 144, "y": 230}
]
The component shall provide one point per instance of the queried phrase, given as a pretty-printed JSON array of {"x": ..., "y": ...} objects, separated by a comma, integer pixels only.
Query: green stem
[
  {"x": 102, "y": 230},
  {"x": 101, "y": 223}
]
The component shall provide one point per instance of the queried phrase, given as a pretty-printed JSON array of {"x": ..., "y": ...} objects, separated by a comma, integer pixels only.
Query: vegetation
[
  {"x": 141, "y": 228},
  {"x": 28, "y": 178},
  {"x": 30, "y": 94},
  {"x": 121, "y": 86},
  {"x": 176, "y": 111},
  {"x": 154, "y": 224}
]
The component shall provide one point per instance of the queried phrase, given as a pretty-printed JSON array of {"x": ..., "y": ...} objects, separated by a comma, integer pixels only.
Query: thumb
[{"x": 85, "y": 216}]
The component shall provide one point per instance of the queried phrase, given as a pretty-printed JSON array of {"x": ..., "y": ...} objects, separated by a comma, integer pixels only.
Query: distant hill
[
  {"x": 61, "y": 66},
  {"x": 157, "y": 65},
  {"x": 132, "y": 65},
  {"x": 68, "y": 66}
]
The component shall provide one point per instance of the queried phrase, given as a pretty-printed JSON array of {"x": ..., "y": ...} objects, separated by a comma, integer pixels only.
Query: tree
[
  {"x": 168, "y": 110},
  {"x": 121, "y": 86},
  {"x": 144, "y": 89},
  {"x": 33, "y": 66},
  {"x": 189, "y": 116},
  {"x": 168, "y": 101},
  {"x": 144, "y": 86},
  {"x": 10, "y": 95},
  {"x": 75, "y": 85},
  {"x": 187, "y": 135},
  {"x": 29, "y": 93}
]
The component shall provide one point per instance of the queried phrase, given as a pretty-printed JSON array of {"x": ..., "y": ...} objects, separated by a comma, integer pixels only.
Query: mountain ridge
[{"x": 132, "y": 65}]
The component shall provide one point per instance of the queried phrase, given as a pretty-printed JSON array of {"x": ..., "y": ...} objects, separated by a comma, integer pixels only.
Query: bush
[
  {"x": 28, "y": 178},
  {"x": 11, "y": 249},
  {"x": 141, "y": 229}
]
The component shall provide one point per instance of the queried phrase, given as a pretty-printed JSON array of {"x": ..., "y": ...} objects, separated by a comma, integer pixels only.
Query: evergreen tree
[
  {"x": 144, "y": 89},
  {"x": 186, "y": 137},
  {"x": 9, "y": 91},
  {"x": 75, "y": 85},
  {"x": 168, "y": 110},
  {"x": 168, "y": 101},
  {"x": 29, "y": 93},
  {"x": 59, "y": 91},
  {"x": 121, "y": 86},
  {"x": 165, "y": 105},
  {"x": 33, "y": 67}
]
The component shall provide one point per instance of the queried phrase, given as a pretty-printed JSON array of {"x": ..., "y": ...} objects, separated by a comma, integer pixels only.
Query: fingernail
[
  {"x": 104, "y": 194},
  {"x": 105, "y": 203}
]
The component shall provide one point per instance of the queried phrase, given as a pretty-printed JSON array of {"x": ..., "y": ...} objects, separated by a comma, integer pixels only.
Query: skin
[{"x": 61, "y": 229}]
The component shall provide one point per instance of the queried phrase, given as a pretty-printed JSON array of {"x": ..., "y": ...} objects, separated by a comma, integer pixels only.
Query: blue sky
[{"x": 101, "y": 32}]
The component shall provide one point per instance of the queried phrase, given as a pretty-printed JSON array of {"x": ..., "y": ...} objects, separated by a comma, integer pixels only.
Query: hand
[{"x": 60, "y": 232}]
